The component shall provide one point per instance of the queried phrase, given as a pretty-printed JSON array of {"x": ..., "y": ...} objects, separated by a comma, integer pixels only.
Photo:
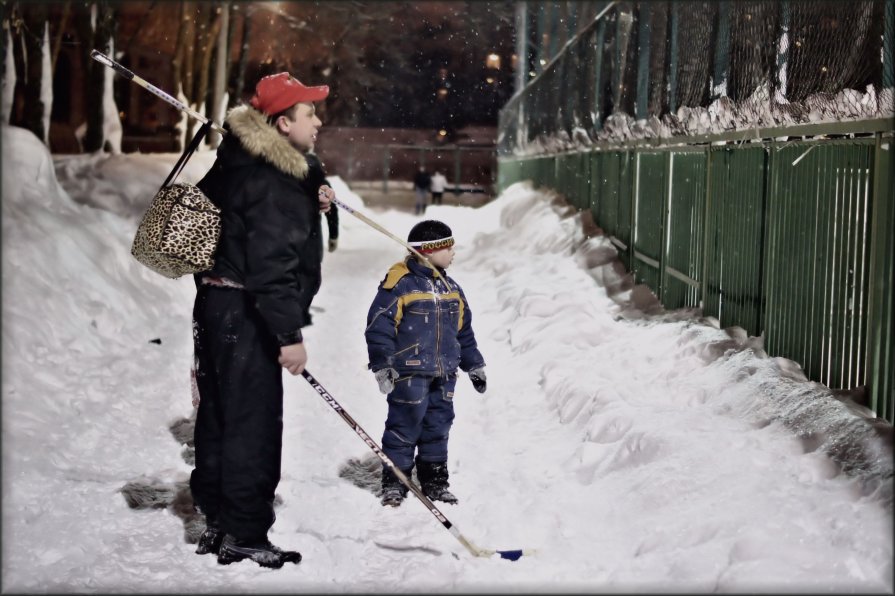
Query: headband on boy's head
[
  {"x": 428, "y": 246},
  {"x": 430, "y": 235}
]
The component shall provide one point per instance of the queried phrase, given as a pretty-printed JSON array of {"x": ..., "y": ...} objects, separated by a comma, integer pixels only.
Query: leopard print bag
[{"x": 179, "y": 233}]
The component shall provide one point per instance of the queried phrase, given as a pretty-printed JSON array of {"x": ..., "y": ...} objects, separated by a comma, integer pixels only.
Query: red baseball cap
[{"x": 277, "y": 92}]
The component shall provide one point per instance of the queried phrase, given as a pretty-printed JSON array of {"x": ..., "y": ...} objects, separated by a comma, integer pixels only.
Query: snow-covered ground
[{"x": 635, "y": 450}]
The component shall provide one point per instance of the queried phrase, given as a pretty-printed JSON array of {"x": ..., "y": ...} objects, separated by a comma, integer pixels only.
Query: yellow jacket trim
[{"x": 407, "y": 299}]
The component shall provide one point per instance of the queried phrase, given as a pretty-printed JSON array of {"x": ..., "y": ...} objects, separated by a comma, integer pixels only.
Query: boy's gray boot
[
  {"x": 393, "y": 490},
  {"x": 433, "y": 477},
  {"x": 260, "y": 551}
]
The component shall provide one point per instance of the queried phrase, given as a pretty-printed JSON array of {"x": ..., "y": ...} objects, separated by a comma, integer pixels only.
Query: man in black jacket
[{"x": 249, "y": 311}]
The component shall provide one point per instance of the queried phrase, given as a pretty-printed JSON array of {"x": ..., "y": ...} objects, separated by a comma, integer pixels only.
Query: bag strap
[{"x": 187, "y": 153}]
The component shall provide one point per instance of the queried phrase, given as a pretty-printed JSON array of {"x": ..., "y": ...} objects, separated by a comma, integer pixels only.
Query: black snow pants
[{"x": 239, "y": 424}]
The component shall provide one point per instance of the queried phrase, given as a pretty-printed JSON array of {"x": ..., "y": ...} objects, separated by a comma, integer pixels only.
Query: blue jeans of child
[{"x": 420, "y": 414}]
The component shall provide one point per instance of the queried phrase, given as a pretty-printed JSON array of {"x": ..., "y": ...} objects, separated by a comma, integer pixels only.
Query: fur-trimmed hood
[{"x": 260, "y": 139}]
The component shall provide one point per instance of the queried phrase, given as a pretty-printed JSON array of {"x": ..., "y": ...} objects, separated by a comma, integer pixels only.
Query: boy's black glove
[
  {"x": 477, "y": 376},
  {"x": 386, "y": 378},
  {"x": 333, "y": 243}
]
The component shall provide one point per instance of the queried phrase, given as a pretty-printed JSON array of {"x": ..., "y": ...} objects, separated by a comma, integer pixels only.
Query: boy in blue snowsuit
[{"x": 419, "y": 331}]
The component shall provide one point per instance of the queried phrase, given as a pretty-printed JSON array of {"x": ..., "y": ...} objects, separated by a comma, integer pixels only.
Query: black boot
[
  {"x": 260, "y": 551},
  {"x": 210, "y": 541},
  {"x": 393, "y": 490},
  {"x": 433, "y": 478}
]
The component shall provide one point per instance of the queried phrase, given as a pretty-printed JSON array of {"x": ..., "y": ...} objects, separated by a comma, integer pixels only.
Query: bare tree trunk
[
  {"x": 94, "y": 139},
  {"x": 177, "y": 62},
  {"x": 18, "y": 62},
  {"x": 4, "y": 46},
  {"x": 189, "y": 50},
  {"x": 221, "y": 66},
  {"x": 231, "y": 33},
  {"x": 126, "y": 48},
  {"x": 34, "y": 17},
  {"x": 57, "y": 43},
  {"x": 209, "y": 40},
  {"x": 5, "y": 15},
  {"x": 239, "y": 82}
]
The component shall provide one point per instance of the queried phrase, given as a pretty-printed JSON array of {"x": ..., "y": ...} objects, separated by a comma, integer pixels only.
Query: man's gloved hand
[
  {"x": 333, "y": 243},
  {"x": 479, "y": 381},
  {"x": 386, "y": 378}
]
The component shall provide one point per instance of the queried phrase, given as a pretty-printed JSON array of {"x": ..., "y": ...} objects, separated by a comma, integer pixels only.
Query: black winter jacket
[{"x": 270, "y": 222}]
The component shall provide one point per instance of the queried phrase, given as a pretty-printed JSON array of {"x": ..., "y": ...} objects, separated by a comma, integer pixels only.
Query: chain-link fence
[{"x": 654, "y": 70}]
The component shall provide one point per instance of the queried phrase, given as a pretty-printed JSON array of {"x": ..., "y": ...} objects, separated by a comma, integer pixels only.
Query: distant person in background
[
  {"x": 421, "y": 183},
  {"x": 437, "y": 187},
  {"x": 332, "y": 221},
  {"x": 314, "y": 183}
]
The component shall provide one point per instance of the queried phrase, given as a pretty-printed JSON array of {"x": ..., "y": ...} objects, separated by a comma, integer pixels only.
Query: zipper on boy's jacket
[{"x": 438, "y": 366}]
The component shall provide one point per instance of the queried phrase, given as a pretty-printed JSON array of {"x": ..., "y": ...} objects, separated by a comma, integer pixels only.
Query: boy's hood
[{"x": 399, "y": 270}]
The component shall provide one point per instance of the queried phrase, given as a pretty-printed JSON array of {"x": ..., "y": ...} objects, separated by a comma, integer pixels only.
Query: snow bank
[
  {"x": 739, "y": 376},
  {"x": 84, "y": 399}
]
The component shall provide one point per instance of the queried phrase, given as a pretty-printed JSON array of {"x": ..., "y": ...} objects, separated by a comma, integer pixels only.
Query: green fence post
[
  {"x": 672, "y": 56},
  {"x": 522, "y": 67},
  {"x": 643, "y": 52},
  {"x": 881, "y": 289},
  {"x": 598, "y": 75},
  {"x": 571, "y": 18},
  {"x": 707, "y": 229},
  {"x": 783, "y": 43},
  {"x": 888, "y": 34},
  {"x": 541, "y": 50},
  {"x": 762, "y": 253},
  {"x": 663, "y": 231},
  {"x": 722, "y": 52},
  {"x": 622, "y": 38},
  {"x": 554, "y": 30}
]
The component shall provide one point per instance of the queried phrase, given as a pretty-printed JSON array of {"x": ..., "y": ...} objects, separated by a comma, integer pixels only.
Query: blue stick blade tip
[{"x": 510, "y": 555}]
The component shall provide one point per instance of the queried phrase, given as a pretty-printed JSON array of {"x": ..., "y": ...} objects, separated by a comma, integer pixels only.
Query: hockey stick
[
  {"x": 378, "y": 227},
  {"x": 103, "y": 59},
  {"x": 510, "y": 555},
  {"x": 120, "y": 69}
]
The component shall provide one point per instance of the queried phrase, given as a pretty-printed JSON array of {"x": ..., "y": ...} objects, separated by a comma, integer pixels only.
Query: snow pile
[
  {"x": 636, "y": 450},
  {"x": 753, "y": 385},
  {"x": 124, "y": 184},
  {"x": 85, "y": 395}
]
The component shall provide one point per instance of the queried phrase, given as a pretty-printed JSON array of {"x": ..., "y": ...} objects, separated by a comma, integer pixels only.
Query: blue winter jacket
[{"x": 417, "y": 325}]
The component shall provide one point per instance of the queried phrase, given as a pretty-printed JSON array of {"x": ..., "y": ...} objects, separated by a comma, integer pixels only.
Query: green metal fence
[
  {"x": 789, "y": 240},
  {"x": 738, "y": 155}
]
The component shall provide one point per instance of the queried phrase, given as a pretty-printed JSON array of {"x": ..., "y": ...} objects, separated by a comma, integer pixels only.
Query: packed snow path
[{"x": 634, "y": 451}]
